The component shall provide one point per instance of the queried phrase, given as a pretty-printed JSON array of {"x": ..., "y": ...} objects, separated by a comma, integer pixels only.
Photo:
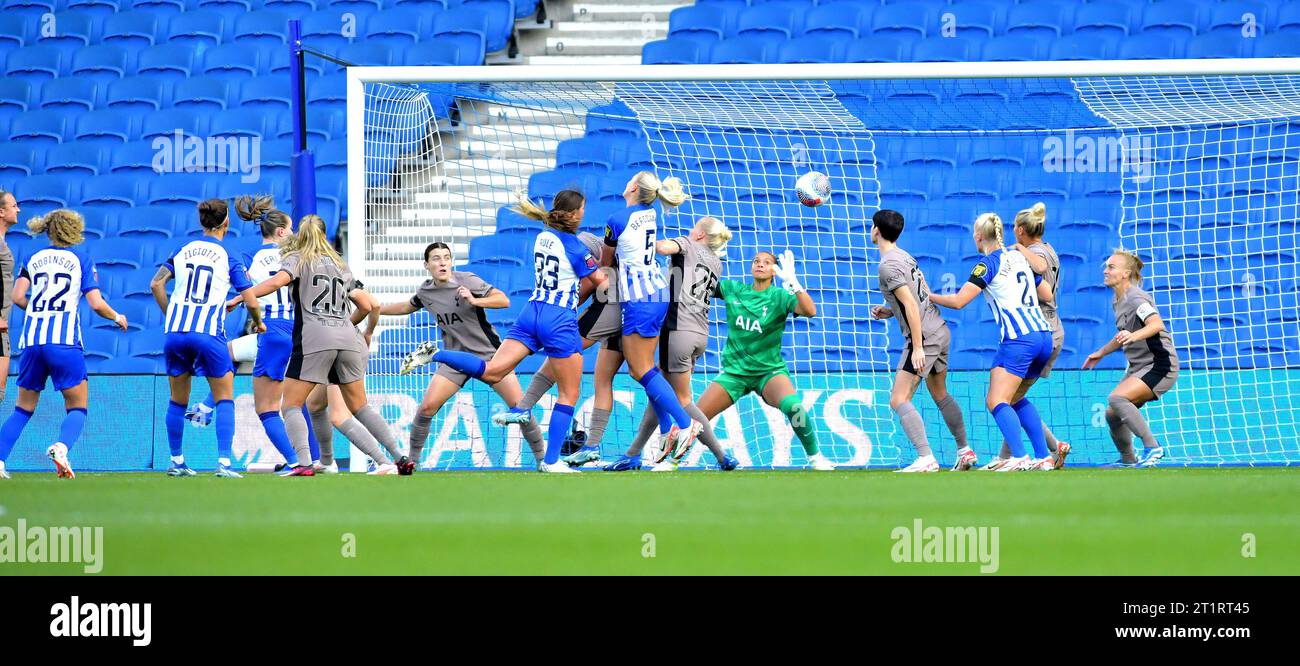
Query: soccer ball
[{"x": 813, "y": 188}]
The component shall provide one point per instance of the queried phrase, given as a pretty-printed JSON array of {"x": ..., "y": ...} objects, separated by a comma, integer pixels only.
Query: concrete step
[
  {"x": 632, "y": 11},
  {"x": 630, "y": 29},
  {"x": 613, "y": 45},
  {"x": 581, "y": 60}
]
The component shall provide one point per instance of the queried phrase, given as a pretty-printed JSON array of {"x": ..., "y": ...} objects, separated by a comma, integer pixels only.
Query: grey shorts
[
  {"x": 1158, "y": 380},
  {"x": 936, "y": 354},
  {"x": 1058, "y": 340},
  {"x": 453, "y": 375},
  {"x": 328, "y": 367},
  {"x": 679, "y": 350},
  {"x": 602, "y": 322}
]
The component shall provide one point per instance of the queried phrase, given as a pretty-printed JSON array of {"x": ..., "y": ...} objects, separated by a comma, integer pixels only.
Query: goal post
[{"x": 1193, "y": 164}]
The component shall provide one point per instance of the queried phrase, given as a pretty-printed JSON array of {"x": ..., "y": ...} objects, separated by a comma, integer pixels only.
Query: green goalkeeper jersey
[{"x": 755, "y": 323}]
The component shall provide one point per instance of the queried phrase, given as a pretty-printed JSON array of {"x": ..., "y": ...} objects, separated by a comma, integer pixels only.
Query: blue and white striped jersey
[
  {"x": 205, "y": 271},
  {"x": 263, "y": 263},
  {"x": 633, "y": 232},
  {"x": 561, "y": 261},
  {"x": 1010, "y": 286},
  {"x": 59, "y": 277}
]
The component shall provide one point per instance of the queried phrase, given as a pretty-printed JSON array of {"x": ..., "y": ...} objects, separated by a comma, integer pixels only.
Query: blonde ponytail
[
  {"x": 1033, "y": 220},
  {"x": 650, "y": 188},
  {"x": 717, "y": 235},
  {"x": 64, "y": 227},
  {"x": 989, "y": 225},
  {"x": 310, "y": 243}
]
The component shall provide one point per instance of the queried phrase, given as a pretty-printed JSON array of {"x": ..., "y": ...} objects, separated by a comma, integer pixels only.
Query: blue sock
[
  {"x": 175, "y": 427},
  {"x": 210, "y": 402},
  {"x": 12, "y": 428},
  {"x": 273, "y": 424},
  {"x": 70, "y": 431},
  {"x": 225, "y": 430},
  {"x": 664, "y": 399},
  {"x": 462, "y": 362},
  {"x": 1033, "y": 424},
  {"x": 558, "y": 431},
  {"x": 1009, "y": 424},
  {"x": 312, "y": 442}
]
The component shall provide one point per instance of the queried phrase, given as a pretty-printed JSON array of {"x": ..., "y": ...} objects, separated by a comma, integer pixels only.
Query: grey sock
[
  {"x": 1051, "y": 439},
  {"x": 419, "y": 435},
  {"x": 1120, "y": 434},
  {"x": 953, "y": 418},
  {"x": 596, "y": 433},
  {"x": 362, "y": 439},
  {"x": 533, "y": 435},
  {"x": 914, "y": 427},
  {"x": 537, "y": 387},
  {"x": 320, "y": 424},
  {"x": 649, "y": 426},
  {"x": 706, "y": 433},
  {"x": 296, "y": 426},
  {"x": 1128, "y": 413},
  {"x": 375, "y": 423}
]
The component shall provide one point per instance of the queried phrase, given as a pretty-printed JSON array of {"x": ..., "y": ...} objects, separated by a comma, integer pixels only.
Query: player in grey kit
[
  {"x": 601, "y": 322},
  {"x": 907, "y": 298},
  {"x": 695, "y": 271},
  {"x": 327, "y": 346},
  {"x": 457, "y": 301},
  {"x": 1042, "y": 257},
  {"x": 1152, "y": 360},
  {"x": 8, "y": 218}
]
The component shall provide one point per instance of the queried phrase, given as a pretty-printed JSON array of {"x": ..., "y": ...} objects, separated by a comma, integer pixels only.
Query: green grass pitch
[{"x": 1079, "y": 521}]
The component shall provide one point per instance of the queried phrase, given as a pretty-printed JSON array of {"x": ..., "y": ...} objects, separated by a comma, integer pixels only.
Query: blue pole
[{"x": 302, "y": 172}]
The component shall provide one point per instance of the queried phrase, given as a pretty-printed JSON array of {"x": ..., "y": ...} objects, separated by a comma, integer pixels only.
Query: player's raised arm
[{"x": 785, "y": 269}]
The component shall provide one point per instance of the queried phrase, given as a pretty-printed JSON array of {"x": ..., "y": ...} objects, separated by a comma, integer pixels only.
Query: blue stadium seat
[
  {"x": 101, "y": 63},
  {"x": 1149, "y": 47},
  {"x": 99, "y": 223},
  {"x": 768, "y": 23},
  {"x": 231, "y": 62},
  {"x": 467, "y": 28},
  {"x": 1277, "y": 45},
  {"x": 1220, "y": 45},
  {"x": 179, "y": 192},
  {"x": 148, "y": 224},
  {"x": 674, "y": 52},
  {"x": 19, "y": 160},
  {"x": 328, "y": 91},
  {"x": 906, "y": 21},
  {"x": 877, "y": 49},
  {"x": 267, "y": 93},
  {"x": 324, "y": 30},
  {"x": 166, "y": 8},
  {"x": 200, "y": 30},
  {"x": 132, "y": 30},
  {"x": 35, "y": 64},
  {"x": 398, "y": 28},
  {"x": 699, "y": 23},
  {"x": 202, "y": 93},
  {"x": 366, "y": 6},
  {"x": 1084, "y": 47},
  {"x": 99, "y": 342},
  {"x": 367, "y": 53},
  {"x": 166, "y": 62},
  {"x": 1174, "y": 19},
  {"x": 74, "y": 160},
  {"x": 231, "y": 8},
  {"x": 978, "y": 19},
  {"x": 106, "y": 127},
  {"x": 15, "y": 96},
  {"x": 113, "y": 190},
  {"x": 29, "y": 7},
  {"x": 265, "y": 29},
  {"x": 1015, "y": 48},
  {"x": 136, "y": 157},
  {"x": 433, "y": 52},
  {"x": 839, "y": 19},
  {"x": 140, "y": 93},
  {"x": 165, "y": 123},
  {"x": 239, "y": 122},
  {"x": 1288, "y": 17},
  {"x": 815, "y": 49},
  {"x": 500, "y": 17},
  {"x": 15, "y": 32},
  {"x": 95, "y": 7},
  {"x": 69, "y": 94},
  {"x": 738, "y": 50},
  {"x": 1111, "y": 18},
  {"x": 584, "y": 153},
  {"x": 292, "y": 7},
  {"x": 39, "y": 127},
  {"x": 58, "y": 190},
  {"x": 73, "y": 30},
  {"x": 1039, "y": 19},
  {"x": 945, "y": 49},
  {"x": 495, "y": 249}
]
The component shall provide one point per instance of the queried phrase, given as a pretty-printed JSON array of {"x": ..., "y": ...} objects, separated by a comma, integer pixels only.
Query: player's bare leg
[{"x": 568, "y": 375}]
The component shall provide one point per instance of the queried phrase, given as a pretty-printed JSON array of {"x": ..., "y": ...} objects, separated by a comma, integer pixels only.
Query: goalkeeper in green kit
[{"x": 751, "y": 359}]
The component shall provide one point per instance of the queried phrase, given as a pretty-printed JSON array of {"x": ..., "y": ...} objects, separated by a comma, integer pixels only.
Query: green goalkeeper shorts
[{"x": 738, "y": 386}]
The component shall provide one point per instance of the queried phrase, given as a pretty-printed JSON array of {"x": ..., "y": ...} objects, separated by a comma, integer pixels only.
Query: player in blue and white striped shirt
[
  {"x": 58, "y": 275},
  {"x": 566, "y": 273},
  {"x": 1013, "y": 292},
  {"x": 195, "y": 323},
  {"x": 630, "y": 239}
]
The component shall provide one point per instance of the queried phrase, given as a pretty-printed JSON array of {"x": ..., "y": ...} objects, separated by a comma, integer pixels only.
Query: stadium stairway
[{"x": 606, "y": 32}]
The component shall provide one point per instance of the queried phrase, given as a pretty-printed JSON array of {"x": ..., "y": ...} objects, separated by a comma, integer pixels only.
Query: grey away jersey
[
  {"x": 596, "y": 245},
  {"x": 899, "y": 269},
  {"x": 322, "y": 309},
  {"x": 693, "y": 276},
  {"x": 1053, "y": 277},
  {"x": 1131, "y": 313},
  {"x": 464, "y": 327},
  {"x": 6, "y": 279}
]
